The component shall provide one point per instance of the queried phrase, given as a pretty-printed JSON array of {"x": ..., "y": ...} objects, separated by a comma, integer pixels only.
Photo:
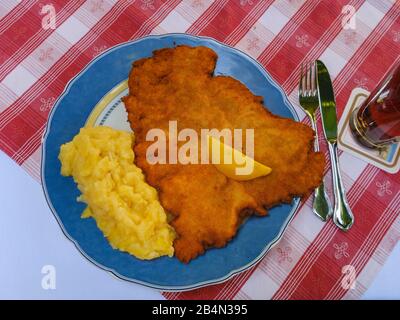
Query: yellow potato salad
[{"x": 125, "y": 207}]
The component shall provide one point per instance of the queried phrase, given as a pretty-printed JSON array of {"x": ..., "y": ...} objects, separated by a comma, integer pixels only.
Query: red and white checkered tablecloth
[{"x": 36, "y": 64}]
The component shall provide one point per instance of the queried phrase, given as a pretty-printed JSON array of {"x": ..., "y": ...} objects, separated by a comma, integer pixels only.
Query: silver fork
[{"x": 308, "y": 98}]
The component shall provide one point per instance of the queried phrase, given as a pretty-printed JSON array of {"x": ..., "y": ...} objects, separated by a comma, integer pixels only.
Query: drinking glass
[{"x": 376, "y": 122}]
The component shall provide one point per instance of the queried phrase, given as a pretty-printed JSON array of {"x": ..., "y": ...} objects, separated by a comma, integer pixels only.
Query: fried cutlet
[{"x": 207, "y": 207}]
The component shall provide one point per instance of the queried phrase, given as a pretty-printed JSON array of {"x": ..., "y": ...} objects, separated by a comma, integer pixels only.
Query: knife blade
[
  {"x": 327, "y": 102},
  {"x": 342, "y": 215}
]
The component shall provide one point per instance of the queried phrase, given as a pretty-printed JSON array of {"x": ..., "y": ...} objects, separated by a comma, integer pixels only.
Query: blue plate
[{"x": 72, "y": 111}]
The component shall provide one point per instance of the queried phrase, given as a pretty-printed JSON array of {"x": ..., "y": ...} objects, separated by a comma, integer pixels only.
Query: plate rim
[{"x": 113, "y": 272}]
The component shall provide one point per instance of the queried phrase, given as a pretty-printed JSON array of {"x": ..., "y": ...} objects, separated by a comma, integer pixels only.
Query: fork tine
[
  {"x": 305, "y": 78},
  {"x": 301, "y": 80},
  {"x": 311, "y": 78},
  {"x": 314, "y": 69},
  {"x": 308, "y": 78}
]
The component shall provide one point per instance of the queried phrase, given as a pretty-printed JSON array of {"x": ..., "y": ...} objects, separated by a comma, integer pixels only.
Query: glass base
[{"x": 356, "y": 130}]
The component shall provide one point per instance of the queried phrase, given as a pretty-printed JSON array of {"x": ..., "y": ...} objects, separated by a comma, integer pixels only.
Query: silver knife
[{"x": 342, "y": 215}]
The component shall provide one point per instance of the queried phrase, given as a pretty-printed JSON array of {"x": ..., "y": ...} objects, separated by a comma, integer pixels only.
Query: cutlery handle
[
  {"x": 342, "y": 215},
  {"x": 321, "y": 205},
  {"x": 315, "y": 128}
]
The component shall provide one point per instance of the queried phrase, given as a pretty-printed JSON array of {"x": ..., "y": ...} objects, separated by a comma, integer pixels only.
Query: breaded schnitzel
[{"x": 207, "y": 207}]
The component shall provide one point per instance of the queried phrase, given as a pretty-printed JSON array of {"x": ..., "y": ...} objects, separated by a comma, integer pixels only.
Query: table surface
[
  {"x": 30, "y": 238},
  {"x": 35, "y": 65}
]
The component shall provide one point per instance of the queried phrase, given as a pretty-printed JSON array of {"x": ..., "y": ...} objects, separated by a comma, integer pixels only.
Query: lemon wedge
[{"x": 233, "y": 163}]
